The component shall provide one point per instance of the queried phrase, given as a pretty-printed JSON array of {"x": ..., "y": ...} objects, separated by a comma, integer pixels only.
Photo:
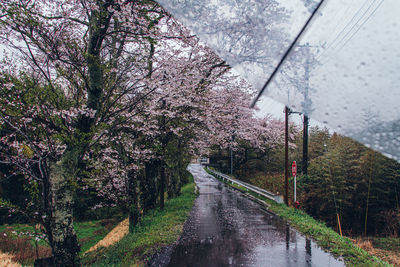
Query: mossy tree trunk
[{"x": 64, "y": 242}]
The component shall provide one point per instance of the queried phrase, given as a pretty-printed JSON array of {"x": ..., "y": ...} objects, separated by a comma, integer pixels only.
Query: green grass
[
  {"x": 16, "y": 239},
  {"x": 15, "y": 227},
  {"x": 157, "y": 229},
  {"x": 324, "y": 236},
  {"x": 241, "y": 188}
]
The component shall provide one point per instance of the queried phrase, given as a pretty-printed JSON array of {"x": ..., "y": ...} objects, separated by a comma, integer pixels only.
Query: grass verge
[
  {"x": 324, "y": 236},
  {"x": 157, "y": 229}
]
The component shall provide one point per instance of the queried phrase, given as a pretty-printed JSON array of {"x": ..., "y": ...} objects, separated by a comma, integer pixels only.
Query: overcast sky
[{"x": 353, "y": 88}]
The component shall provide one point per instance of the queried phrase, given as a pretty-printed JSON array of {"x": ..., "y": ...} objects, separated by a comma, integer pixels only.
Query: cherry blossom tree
[
  {"x": 181, "y": 87},
  {"x": 233, "y": 126},
  {"x": 75, "y": 63}
]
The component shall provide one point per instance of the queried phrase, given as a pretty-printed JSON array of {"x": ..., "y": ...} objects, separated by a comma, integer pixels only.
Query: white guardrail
[{"x": 255, "y": 189}]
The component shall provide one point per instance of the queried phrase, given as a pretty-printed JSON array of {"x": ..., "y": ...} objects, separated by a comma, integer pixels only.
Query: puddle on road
[{"x": 227, "y": 229}]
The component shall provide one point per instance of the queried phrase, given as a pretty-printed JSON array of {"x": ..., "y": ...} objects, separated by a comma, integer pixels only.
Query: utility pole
[
  {"x": 306, "y": 110},
  {"x": 286, "y": 155},
  {"x": 306, "y": 105},
  {"x": 305, "y": 118},
  {"x": 305, "y": 144}
]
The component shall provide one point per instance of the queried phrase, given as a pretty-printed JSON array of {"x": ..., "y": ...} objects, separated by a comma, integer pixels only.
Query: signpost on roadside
[{"x": 294, "y": 171}]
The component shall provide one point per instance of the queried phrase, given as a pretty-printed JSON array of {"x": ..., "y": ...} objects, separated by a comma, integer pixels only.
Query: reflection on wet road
[{"x": 225, "y": 228}]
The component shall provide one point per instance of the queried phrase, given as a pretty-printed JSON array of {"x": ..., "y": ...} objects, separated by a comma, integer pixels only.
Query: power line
[
  {"x": 370, "y": 15},
  {"x": 342, "y": 17},
  {"x": 348, "y": 24},
  {"x": 355, "y": 24},
  {"x": 337, "y": 26},
  {"x": 344, "y": 28}
]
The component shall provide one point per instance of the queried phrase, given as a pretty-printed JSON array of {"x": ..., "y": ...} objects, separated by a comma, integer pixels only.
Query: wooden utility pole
[
  {"x": 286, "y": 155},
  {"x": 305, "y": 145}
]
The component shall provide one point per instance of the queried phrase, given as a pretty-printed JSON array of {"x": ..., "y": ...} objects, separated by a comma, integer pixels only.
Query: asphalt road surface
[{"x": 227, "y": 229}]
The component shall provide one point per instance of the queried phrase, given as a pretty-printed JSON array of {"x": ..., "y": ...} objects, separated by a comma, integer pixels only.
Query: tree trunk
[
  {"x": 179, "y": 171},
  {"x": 149, "y": 185},
  {"x": 162, "y": 184},
  {"x": 164, "y": 143},
  {"x": 64, "y": 242},
  {"x": 173, "y": 183},
  {"x": 134, "y": 201}
]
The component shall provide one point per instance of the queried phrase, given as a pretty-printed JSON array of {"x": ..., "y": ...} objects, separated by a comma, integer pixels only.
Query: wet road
[{"x": 227, "y": 229}]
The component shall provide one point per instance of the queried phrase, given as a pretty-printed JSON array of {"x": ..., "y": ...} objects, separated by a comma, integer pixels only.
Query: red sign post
[
  {"x": 294, "y": 171},
  {"x": 294, "y": 168}
]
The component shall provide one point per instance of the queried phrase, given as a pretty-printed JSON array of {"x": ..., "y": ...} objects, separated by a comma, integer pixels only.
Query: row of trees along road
[
  {"x": 344, "y": 177},
  {"x": 108, "y": 98}
]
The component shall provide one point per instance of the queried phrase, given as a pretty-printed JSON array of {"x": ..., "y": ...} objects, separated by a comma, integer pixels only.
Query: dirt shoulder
[
  {"x": 7, "y": 260},
  {"x": 113, "y": 236}
]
